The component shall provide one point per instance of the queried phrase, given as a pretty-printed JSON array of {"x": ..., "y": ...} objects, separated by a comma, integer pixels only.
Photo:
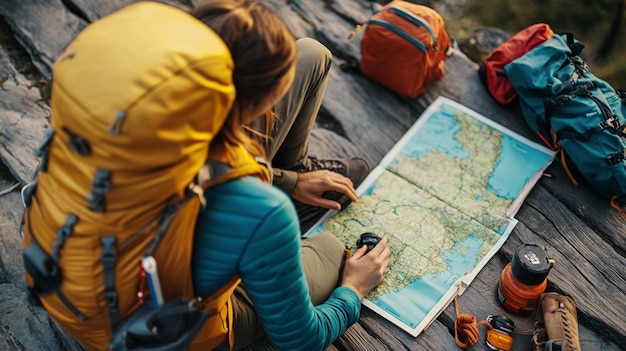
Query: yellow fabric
[
  {"x": 170, "y": 79},
  {"x": 219, "y": 305}
]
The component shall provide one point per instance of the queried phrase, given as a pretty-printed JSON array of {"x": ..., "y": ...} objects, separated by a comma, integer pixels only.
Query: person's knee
[
  {"x": 326, "y": 246},
  {"x": 313, "y": 52},
  {"x": 322, "y": 257}
]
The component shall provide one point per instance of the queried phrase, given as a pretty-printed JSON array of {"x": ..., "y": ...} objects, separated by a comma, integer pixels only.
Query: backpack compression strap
[{"x": 43, "y": 268}]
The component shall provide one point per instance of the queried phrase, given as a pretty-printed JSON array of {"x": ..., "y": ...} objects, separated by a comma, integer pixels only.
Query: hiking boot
[
  {"x": 556, "y": 324},
  {"x": 355, "y": 169}
]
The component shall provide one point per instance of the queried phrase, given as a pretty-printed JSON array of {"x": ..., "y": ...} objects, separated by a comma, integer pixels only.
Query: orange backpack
[
  {"x": 137, "y": 98},
  {"x": 403, "y": 47}
]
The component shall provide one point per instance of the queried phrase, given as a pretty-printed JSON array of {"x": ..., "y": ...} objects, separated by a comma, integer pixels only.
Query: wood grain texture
[{"x": 585, "y": 236}]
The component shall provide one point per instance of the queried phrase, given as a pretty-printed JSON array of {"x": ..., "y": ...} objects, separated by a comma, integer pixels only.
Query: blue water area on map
[
  {"x": 438, "y": 134},
  {"x": 411, "y": 304},
  {"x": 516, "y": 163},
  {"x": 515, "y": 166},
  {"x": 375, "y": 185}
]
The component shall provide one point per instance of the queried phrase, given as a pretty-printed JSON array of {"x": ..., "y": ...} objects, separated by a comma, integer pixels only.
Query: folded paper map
[{"x": 446, "y": 195}]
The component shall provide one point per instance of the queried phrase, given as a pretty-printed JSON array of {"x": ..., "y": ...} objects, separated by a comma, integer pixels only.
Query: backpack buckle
[
  {"x": 44, "y": 272},
  {"x": 613, "y": 123},
  {"x": 614, "y": 159}
]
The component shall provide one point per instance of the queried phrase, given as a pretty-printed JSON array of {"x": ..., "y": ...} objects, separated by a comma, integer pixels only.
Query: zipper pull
[{"x": 116, "y": 126}]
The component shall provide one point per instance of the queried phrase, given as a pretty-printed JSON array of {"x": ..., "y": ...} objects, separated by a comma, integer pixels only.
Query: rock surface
[{"x": 358, "y": 117}]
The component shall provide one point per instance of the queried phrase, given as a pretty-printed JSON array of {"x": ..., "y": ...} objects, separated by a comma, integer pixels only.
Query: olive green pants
[{"x": 297, "y": 110}]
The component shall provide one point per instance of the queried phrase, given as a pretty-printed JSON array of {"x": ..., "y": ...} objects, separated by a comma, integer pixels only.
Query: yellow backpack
[{"x": 136, "y": 100}]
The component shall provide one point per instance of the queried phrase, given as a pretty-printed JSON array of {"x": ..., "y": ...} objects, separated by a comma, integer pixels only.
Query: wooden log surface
[{"x": 579, "y": 230}]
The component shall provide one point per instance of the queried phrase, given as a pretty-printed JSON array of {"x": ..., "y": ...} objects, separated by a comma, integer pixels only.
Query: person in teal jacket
[{"x": 302, "y": 294}]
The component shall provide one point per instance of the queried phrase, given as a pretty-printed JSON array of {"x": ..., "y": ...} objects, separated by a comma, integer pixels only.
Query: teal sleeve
[{"x": 273, "y": 277}]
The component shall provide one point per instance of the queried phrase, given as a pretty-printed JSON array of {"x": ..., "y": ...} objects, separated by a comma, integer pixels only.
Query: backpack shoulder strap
[{"x": 575, "y": 46}]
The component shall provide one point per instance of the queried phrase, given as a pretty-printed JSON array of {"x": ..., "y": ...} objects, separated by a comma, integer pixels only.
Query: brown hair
[{"x": 263, "y": 50}]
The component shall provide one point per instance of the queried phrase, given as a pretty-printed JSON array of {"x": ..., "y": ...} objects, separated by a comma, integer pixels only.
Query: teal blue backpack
[{"x": 575, "y": 113}]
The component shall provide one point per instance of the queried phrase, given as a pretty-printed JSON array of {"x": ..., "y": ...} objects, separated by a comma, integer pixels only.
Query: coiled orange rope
[{"x": 465, "y": 327}]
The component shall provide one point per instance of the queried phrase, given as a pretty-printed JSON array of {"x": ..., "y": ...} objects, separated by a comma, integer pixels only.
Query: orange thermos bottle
[{"x": 524, "y": 279}]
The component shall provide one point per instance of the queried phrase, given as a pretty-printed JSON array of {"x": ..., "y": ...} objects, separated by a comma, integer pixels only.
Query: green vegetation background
[{"x": 599, "y": 24}]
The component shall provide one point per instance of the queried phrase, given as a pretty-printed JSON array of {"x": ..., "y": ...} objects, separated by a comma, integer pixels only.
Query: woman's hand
[
  {"x": 310, "y": 187},
  {"x": 363, "y": 272}
]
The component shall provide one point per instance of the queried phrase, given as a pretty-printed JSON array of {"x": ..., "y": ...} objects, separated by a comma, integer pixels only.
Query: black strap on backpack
[
  {"x": 44, "y": 269},
  {"x": 610, "y": 122},
  {"x": 575, "y": 46}
]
